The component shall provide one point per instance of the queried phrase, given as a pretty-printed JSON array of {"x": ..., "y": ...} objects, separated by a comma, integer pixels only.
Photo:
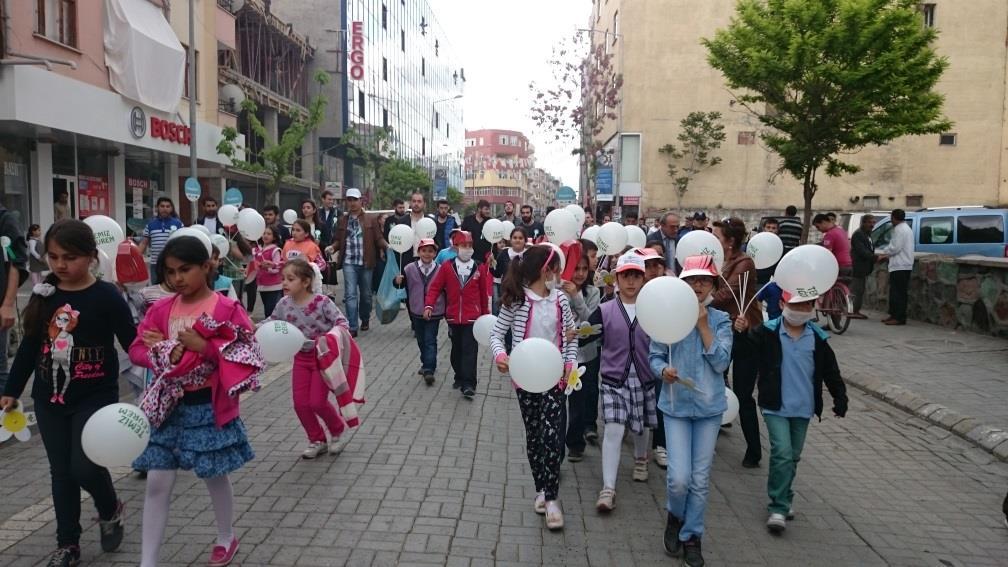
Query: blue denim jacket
[{"x": 704, "y": 367}]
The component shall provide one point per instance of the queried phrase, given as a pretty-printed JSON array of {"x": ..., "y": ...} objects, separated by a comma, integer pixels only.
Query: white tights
[
  {"x": 158, "y": 500},
  {"x": 611, "y": 441}
]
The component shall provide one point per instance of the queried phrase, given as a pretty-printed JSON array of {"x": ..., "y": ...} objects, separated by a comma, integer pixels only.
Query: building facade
[
  {"x": 666, "y": 76},
  {"x": 500, "y": 166}
]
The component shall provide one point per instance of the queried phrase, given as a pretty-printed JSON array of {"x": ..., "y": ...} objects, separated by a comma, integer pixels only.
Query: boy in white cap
[{"x": 416, "y": 278}]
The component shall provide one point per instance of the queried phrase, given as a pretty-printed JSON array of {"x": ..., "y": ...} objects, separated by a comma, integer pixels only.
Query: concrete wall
[{"x": 958, "y": 293}]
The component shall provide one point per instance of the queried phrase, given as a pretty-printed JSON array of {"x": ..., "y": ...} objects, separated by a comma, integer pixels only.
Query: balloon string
[
  {"x": 759, "y": 291},
  {"x": 734, "y": 295}
]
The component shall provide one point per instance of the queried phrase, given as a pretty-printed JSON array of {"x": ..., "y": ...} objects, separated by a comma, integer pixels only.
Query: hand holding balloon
[
  {"x": 741, "y": 325},
  {"x": 502, "y": 364},
  {"x": 670, "y": 374}
]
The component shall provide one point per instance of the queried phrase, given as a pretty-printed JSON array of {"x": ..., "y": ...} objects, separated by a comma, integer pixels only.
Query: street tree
[
  {"x": 398, "y": 179},
  {"x": 829, "y": 77},
  {"x": 277, "y": 157},
  {"x": 701, "y": 134}
]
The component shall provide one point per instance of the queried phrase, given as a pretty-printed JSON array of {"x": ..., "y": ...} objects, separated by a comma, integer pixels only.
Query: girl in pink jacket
[{"x": 269, "y": 280}]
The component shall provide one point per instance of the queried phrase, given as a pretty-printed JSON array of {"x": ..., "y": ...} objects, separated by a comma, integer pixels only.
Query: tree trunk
[
  {"x": 808, "y": 191},
  {"x": 679, "y": 197}
]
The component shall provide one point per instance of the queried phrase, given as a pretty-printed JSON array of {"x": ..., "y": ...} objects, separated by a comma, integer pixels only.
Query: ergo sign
[{"x": 357, "y": 51}]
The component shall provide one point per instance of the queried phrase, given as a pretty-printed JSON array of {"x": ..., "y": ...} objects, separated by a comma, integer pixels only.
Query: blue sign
[
  {"x": 440, "y": 183},
  {"x": 233, "y": 196},
  {"x": 604, "y": 183},
  {"x": 192, "y": 189}
]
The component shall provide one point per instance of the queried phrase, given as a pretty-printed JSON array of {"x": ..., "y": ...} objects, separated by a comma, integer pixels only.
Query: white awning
[{"x": 145, "y": 59}]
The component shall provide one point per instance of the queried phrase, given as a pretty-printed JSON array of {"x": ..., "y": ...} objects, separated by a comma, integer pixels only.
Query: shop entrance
[{"x": 64, "y": 197}]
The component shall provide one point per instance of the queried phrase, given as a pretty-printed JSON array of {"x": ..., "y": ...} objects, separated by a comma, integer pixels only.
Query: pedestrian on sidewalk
[
  {"x": 628, "y": 385},
  {"x": 192, "y": 401},
  {"x": 37, "y": 266},
  {"x": 533, "y": 306},
  {"x": 68, "y": 314},
  {"x": 692, "y": 401},
  {"x": 863, "y": 254},
  {"x": 314, "y": 314},
  {"x": 416, "y": 278},
  {"x": 466, "y": 284},
  {"x": 269, "y": 279},
  {"x": 900, "y": 254},
  {"x": 518, "y": 240},
  {"x": 584, "y": 299},
  {"x": 794, "y": 361}
]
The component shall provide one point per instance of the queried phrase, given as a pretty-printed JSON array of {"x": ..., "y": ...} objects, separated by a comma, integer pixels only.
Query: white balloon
[
  {"x": 733, "y": 406},
  {"x": 251, "y": 224},
  {"x": 106, "y": 267},
  {"x": 221, "y": 243},
  {"x": 482, "y": 329},
  {"x": 560, "y": 226},
  {"x": 699, "y": 243},
  {"x": 108, "y": 234},
  {"x": 612, "y": 239},
  {"x": 667, "y": 309},
  {"x": 578, "y": 212},
  {"x": 115, "y": 435},
  {"x": 493, "y": 230},
  {"x": 426, "y": 228},
  {"x": 636, "y": 237},
  {"x": 765, "y": 249},
  {"x": 279, "y": 341},
  {"x": 508, "y": 229},
  {"x": 807, "y": 271},
  {"x": 401, "y": 238},
  {"x": 202, "y": 229},
  {"x": 228, "y": 215},
  {"x": 289, "y": 216},
  {"x": 591, "y": 233},
  {"x": 190, "y": 231},
  {"x": 536, "y": 365}
]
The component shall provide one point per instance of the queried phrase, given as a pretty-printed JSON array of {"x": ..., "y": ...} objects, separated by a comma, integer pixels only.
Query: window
[
  {"x": 914, "y": 201},
  {"x": 470, "y": 142},
  {"x": 437, "y": 120},
  {"x": 928, "y": 11},
  {"x": 503, "y": 140},
  {"x": 447, "y": 130},
  {"x": 870, "y": 202},
  {"x": 948, "y": 139},
  {"x": 384, "y": 69},
  {"x": 423, "y": 67},
  {"x": 936, "y": 230},
  {"x": 57, "y": 20},
  {"x": 881, "y": 236},
  {"x": 384, "y": 118},
  {"x": 384, "y": 17},
  {"x": 185, "y": 90},
  {"x": 746, "y": 138},
  {"x": 630, "y": 158},
  {"x": 423, "y": 146},
  {"x": 481, "y": 141},
  {"x": 402, "y": 40},
  {"x": 615, "y": 26},
  {"x": 977, "y": 229},
  {"x": 360, "y": 103}
]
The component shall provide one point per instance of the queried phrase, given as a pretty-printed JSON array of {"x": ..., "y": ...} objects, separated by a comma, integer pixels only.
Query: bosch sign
[
  {"x": 159, "y": 128},
  {"x": 357, "y": 51}
]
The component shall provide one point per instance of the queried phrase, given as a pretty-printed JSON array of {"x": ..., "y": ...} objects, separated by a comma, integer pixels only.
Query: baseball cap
[
  {"x": 699, "y": 266},
  {"x": 649, "y": 254},
  {"x": 352, "y": 193},
  {"x": 699, "y": 215},
  {"x": 460, "y": 237},
  {"x": 629, "y": 261},
  {"x": 426, "y": 242},
  {"x": 792, "y": 297}
]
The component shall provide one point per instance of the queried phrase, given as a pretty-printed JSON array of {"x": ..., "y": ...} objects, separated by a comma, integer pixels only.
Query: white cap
[
  {"x": 352, "y": 193},
  {"x": 629, "y": 261}
]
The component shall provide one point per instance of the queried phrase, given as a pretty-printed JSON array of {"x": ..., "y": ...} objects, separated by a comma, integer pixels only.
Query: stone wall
[{"x": 969, "y": 293}]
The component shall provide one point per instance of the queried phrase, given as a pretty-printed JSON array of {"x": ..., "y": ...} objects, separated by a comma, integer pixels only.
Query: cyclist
[{"x": 835, "y": 240}]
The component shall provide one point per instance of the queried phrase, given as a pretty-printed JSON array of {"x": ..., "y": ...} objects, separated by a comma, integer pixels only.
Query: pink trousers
[{"x": 311, "y": 399}]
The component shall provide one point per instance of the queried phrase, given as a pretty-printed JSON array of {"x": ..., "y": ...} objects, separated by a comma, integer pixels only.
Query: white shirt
[
  {"x": 425, "y": 269},
  {"x": 901, "y": 248},
  {"x": 543, "y": 315},
  {"x": 631, "y": 311},
  {"x": 464, "y": 269},
  {"x": 211, "y": 224}
]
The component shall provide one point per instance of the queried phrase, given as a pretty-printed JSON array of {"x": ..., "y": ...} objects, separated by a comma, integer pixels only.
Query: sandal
[
  {"x": 540, "y": 503},
  {"x": 554, "y": 515}
]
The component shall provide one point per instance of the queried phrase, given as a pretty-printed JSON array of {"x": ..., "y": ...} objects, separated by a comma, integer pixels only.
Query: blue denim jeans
[
  {"x": 426, "y": 336},
  {"x": 690, "y": 443},
  {"x": 357, "y": 294}
]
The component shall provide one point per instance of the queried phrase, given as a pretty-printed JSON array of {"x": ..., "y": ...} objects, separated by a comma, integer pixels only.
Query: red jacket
[{"x": 463, "y": 304}]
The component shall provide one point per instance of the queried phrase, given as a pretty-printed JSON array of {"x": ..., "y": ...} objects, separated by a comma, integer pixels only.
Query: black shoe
[
  {"x": 750, "y": 464},
  {"x": 691, "y": 552},
  {"x": 142, "y": 475},
  {"x": 353, "y": 334},
  {"x": 468, "y": 392},
  {"x": 67, "y": 556},
  {"x": 671, "y": 539},
  {"x": 591, "y": 437},
  {"x": 456, "y": 385},
  {"x": 428, "y": 378},
  {"x": 365, "y": 326},
  {"x": 575, "y": 455},
  {"x": 112, "y": 530}
]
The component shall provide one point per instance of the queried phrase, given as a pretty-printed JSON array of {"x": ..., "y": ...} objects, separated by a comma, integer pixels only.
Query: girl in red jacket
[{"x": 466, "y": 284}]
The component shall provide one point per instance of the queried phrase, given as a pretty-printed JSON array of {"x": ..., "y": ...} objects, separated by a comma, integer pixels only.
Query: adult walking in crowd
[
  {"x": 863, "y": 257},
  {"x": 156, "y": 233},
  {"x": 358, "y": 240},
  {"x": 789, "y": 228},
  {"x": 328, "y": 215},
  {"x": 15, "y": 271},
  {"x": 763, "y": 275},
  {"x": 310, "y": 213},
  {"x": 667, "y": 235},
  {"x": 900, "y": 254},
  {"x": 271, "y": 214},
  {"x": 473, "y": 224},
  {"x": 445, "y": 225},
  {"x": 399, "y": 209},
  {"x": 533, "y": 228},
  {"x": 209, "y": 218},
  {"x": 509, "y": 213},
  {"x": 417, "y": 211}
]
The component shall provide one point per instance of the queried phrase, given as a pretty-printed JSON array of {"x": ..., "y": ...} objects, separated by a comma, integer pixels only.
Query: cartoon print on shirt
[{"x": 60, "y": 347}]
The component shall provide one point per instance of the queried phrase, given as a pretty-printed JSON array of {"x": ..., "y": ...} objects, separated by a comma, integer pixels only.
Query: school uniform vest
[{"x": 623, "y": 342}]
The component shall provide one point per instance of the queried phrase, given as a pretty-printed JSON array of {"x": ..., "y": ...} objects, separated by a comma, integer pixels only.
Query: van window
[
  {"x": 978, "y": 229},
  {"x": 936, "y": 230},
  {"x": 882, "y": 234}
]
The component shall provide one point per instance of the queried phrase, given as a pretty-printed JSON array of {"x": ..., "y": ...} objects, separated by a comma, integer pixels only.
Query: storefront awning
[{"x": 146, "y": 62}]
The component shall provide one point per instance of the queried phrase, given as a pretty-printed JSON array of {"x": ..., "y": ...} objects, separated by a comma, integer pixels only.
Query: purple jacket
[
  {"x": 617, "y": 355},
  {"x": 416, "y": 290}
]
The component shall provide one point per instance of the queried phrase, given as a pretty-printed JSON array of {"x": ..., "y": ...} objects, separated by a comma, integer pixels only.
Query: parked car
[
  {"x": 852, "y": 221},
  {"x": 955, "y": 231}
]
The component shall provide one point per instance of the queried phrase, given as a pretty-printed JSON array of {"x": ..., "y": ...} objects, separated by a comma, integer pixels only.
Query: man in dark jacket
[
  {"x": 863, "y": 254},
  {"x": 357, "y": 240},
  {"x": 532, "y": 227},
  {"x": 329, "y": 215},
  {"x": 13, "y": 262},
  {"x": 473, "y": 224}
]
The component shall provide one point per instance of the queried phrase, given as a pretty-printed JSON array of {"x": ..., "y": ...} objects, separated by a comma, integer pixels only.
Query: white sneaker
[
  {"x": 776, "y": 523},
  {"x": 661, "y": 457},
  {"x": 606, "y": 500},
  {"x": 554, "y": 515},
  {"x": 334, "y": 447},
  {"x": 640, "y": 470},
  {"x": 315, "y": 449},
  {"x": 540, "y": 503}
]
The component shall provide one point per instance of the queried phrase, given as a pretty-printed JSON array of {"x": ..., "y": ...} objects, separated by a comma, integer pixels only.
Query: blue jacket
[{"x": 704, "y": 367}]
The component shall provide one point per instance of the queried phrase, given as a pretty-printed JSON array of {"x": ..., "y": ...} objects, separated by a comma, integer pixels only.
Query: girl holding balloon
[
  {"x": 202, "y": 354},
  {"x": 692, "y": 403},
  {"x": 302, "y": 245},
  {"x": 534, "y": 306},
  {"x": 70, "y": 325}
]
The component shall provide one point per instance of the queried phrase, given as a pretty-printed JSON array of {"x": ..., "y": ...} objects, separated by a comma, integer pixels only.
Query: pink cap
[
  {"x": 629, "y": 261},
  {"x": 426, "y": 242},
  {"x": 699, "y": 266}
]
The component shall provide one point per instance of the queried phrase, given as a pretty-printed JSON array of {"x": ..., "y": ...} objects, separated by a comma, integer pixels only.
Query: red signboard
[
  {"x": 631, "y": 201},
  {"x": 357, "y": 51},
  {"x": 92, "y": 196}
]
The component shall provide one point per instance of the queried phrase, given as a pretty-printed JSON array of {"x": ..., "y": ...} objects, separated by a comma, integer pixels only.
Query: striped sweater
[{"x": 517, "y": 319}]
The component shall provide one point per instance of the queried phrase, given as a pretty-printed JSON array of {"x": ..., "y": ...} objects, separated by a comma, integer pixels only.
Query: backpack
[{"x": 130, "y": 264}]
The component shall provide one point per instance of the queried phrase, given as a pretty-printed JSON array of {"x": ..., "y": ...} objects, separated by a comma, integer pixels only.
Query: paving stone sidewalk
[{"x": 432, "y": 479}]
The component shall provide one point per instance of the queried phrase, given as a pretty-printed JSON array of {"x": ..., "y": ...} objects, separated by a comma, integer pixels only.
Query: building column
[
  {"x": 42, "y": 185},
  {"x": 308, "y": 170},
  {"x": 117, "y": 191},
  {"x": 271, "y": 121}
]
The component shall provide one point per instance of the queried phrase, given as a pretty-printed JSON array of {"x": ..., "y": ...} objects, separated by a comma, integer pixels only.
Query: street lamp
[{"x": 431, "y": 162}]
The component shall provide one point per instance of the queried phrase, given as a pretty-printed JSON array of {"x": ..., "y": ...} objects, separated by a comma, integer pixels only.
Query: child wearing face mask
[
  {"x": 467, "y": 286},
  {"x": 793, "y": 361}
]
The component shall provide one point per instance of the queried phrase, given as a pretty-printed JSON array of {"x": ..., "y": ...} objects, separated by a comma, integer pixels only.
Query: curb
[{"x": 992, "y": 439}]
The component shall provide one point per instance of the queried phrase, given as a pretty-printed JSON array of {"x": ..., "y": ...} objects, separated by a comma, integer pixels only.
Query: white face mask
[
  {"x": 797, "y": 318},
  {"x": 465, "y": 254},
  {"x": 552, "y": 283}
]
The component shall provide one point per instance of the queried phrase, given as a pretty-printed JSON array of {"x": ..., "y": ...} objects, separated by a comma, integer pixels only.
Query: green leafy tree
[
  {"x": 368, "y": 148},
  {"x": 277, "y": 157},
  {"x": 701, "y": 134},
  {"x": 397, "y": 179},
  {"x": 829, "y": 77},
  {"x": 455, "y": 198}
]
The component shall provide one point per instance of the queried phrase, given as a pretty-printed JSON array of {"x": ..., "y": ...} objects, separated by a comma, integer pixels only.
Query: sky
[{"x": 503, "y": 46}]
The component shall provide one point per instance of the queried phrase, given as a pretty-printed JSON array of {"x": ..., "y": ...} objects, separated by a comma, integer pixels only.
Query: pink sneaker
[{"x": 221, "y": 556}]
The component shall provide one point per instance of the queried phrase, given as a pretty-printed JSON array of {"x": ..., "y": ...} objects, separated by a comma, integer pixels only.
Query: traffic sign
[
  {"x": 192, "y": 189},
  {"x": 233, "y": 196}
]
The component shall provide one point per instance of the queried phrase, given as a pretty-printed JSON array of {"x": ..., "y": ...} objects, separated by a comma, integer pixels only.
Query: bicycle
[{"x": 836, "y": 307}]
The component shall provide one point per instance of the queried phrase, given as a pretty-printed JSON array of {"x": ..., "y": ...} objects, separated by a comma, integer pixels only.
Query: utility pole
[{"x": 192, "y": 99}]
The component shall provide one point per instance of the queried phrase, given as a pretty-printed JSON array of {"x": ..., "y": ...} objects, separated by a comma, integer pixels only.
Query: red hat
[
  {"x": 699, "y": 266},
  {"x": 426, "y": 242},
  {"x": 460, "y": 237}
]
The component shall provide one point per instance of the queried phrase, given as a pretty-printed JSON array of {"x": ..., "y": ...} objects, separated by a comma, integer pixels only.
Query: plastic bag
[{"x": 388, "y": 298}]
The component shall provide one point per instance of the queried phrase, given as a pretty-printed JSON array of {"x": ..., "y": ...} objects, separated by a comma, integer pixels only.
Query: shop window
[
  {"x": 185, "y": 90},
  {"x": 57, "y": 20}
]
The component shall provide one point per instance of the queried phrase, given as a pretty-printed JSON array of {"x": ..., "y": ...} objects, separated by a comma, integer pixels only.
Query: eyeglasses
[{"x": 700, "y": 281}]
